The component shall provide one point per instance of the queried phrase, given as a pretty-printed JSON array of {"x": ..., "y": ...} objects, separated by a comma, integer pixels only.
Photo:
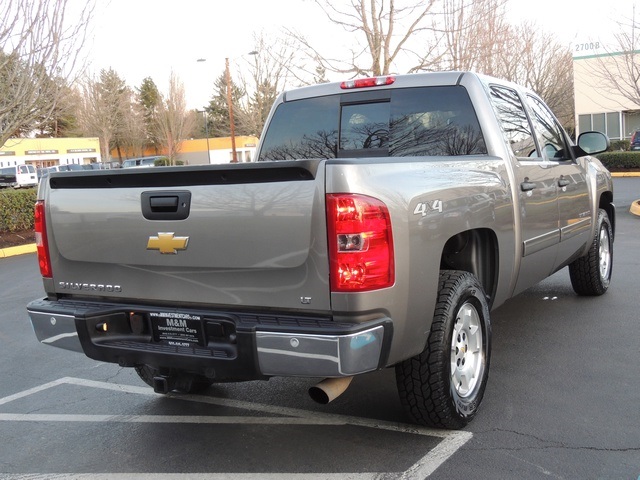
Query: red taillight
[
  {"x": 360, "y": 243},
  {"x": 41, "y": 240},
  {"x": 368, "y": 82}
]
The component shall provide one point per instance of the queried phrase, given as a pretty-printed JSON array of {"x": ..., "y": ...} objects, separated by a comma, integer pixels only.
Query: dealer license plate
[{"x": 177, "y": 329}]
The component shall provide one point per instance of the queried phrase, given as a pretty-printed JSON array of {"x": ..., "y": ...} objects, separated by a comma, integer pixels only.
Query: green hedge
[
  {"x": 620, "y": 160},
  {"x": 16, "y": 209},
  {"x": 166, "y": 162},
  {"x": 619, "y": 145}
]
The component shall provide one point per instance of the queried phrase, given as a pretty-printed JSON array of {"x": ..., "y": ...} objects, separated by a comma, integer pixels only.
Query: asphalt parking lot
[{"x": 562, "y": 402}]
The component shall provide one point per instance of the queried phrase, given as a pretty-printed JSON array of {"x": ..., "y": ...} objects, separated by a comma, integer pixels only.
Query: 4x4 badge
[{"x": 167, "y": 243}]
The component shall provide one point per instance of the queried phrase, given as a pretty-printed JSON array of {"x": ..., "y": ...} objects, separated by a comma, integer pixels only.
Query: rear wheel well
[
  {"x": 474, "y": 251},
  {"x": 606, "y": 203}
]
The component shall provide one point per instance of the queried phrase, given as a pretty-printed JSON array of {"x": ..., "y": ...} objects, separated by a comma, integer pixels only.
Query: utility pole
[{"x": 234, "y": 155}]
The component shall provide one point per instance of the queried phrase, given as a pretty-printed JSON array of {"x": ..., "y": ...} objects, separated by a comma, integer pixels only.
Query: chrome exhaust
[{"x": 329, "y": 389}]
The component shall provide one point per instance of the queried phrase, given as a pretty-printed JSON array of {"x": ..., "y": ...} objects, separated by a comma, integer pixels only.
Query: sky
[{"x": 153, "y": 38}]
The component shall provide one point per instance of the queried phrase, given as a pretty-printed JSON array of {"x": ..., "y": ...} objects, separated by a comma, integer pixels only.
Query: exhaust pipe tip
[{"x": 329, "y": 389}]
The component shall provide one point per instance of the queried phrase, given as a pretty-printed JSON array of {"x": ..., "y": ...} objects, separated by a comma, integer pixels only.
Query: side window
[
  {"x": 515, "y": 124},
  {"x": 552, "y": 140}
]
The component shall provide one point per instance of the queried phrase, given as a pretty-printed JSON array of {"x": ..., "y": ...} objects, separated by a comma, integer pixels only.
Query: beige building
[
  {"x": 47, "y": 152},
  {"x": 598, "y": 103},
  {"x": 218, "y": 150}
]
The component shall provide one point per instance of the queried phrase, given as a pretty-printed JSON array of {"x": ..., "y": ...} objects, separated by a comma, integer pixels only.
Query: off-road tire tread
[
  {"x": 422, "y": 385},
  {"x": 584, "y": 272}
]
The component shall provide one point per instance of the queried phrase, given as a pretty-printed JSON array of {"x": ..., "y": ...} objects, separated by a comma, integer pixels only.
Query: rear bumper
[{"x": 224, "y": 345}]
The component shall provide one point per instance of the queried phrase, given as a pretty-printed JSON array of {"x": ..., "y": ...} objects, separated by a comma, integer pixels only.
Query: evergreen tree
[
  {"x": 252, "y": 119},
  {"x": 218, "y": 109},
  {"x": 149, "y": 98}
]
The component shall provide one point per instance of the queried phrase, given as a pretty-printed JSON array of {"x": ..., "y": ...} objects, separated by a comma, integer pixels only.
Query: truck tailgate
[{"x": 232, "y": 235}]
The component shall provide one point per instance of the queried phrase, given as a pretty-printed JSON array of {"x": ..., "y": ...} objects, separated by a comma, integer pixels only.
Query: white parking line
[
  {"x": 191, "y": 476},
  {"x": 450, "y": 443},
  {"x": 38, "y": 417}
]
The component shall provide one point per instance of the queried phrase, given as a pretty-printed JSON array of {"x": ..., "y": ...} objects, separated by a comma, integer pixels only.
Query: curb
[
  {"x": 635, "y": 208},
  {"x": 20, "y": 250},
  {"x": 625, "y": 174}
]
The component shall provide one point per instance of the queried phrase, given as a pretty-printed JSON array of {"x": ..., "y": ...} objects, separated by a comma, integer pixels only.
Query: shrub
[
  {"x": 620, "y": 160},
  {"x": 166, "y": 162},
  {"x": 16, "y": 209},
  {"x": 619, "y": 145}
]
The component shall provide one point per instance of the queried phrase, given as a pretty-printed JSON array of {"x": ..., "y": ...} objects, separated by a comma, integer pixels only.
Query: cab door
[
  {"x": 573, "y": 196},
  {"x": 537, "y": 188}
]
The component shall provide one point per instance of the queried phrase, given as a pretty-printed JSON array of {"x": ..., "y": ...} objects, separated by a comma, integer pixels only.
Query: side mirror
[{"x": 593, "y": 142}]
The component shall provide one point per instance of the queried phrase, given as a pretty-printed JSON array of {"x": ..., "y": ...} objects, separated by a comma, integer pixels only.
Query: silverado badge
[{"x": 167, "y": 243}]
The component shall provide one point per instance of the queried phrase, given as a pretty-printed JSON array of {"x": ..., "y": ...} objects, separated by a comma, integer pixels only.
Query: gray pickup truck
[{"x": 382, "y": 222}]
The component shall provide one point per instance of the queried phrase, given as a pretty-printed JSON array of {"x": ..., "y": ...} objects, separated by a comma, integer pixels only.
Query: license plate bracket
[{"x": 177, "y": 329}]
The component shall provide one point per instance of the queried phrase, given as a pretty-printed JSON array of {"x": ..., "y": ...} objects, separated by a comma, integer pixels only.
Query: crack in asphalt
[{"x": 550, "y": 444}]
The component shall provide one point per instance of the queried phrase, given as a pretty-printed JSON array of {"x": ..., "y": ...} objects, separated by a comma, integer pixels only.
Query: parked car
[
  {"x": 18, "y": 176},
  {"x": 95, "y": 166},
  {"x": 635, "y": 141},
  {"x": 141, "y": 162},
  {"x": 43, "y": 172}
]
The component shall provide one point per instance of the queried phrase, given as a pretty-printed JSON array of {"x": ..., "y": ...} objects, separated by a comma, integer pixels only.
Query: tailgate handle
[
  {"x": 170, "y": 205},
  {"x": 164, "y": 204}
]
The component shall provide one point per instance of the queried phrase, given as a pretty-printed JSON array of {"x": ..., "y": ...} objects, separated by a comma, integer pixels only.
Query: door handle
[
  {"x": 563, "y": 182},
  {"x": 527, "y": 186}
]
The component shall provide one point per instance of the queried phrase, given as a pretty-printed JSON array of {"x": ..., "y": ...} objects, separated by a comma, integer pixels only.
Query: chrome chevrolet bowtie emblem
[{"x": 167, "y": 243}]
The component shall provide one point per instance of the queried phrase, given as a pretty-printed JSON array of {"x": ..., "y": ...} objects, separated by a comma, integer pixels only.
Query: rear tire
[
  {"x": 591, "y": 274},
  {"x": 444, "y": 385},
  {"x": 181, "y": 381}
]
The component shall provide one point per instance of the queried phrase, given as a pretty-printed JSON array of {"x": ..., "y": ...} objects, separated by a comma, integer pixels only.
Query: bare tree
[
  {"x": 383, "y": 30},
  {"x": 473, "y": 32},
  {"x": 269, "y": 74},
  {"x": 40, "y": 43},
  {"x": 133, "y": 136},
  {"x": 617, "y": 72},
  {"x": 478, "y": 37},
  {"x": 106, "y": 102},
  {"x": 174, "y": 121},
  {"x": 538, "y": 60}
]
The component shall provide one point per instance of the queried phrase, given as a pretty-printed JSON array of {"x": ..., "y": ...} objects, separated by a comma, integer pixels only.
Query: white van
[{"x": 18, "y": 176}]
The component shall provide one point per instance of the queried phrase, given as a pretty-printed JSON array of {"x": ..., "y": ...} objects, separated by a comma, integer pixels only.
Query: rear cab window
[
  {"x": 515, "y": 122},
  {"x": 423, "y": 121}
]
